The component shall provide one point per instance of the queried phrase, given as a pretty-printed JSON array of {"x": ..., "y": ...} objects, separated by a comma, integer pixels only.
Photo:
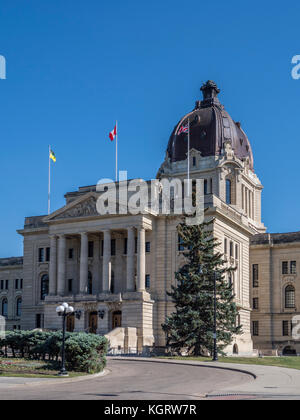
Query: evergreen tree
[{"x": 191, "y": 325}]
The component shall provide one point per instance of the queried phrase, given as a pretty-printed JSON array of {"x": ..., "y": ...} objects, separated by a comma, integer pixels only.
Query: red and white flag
[
  {"x": 183, "y": 129},
  {"x": 113, "y": 133}
]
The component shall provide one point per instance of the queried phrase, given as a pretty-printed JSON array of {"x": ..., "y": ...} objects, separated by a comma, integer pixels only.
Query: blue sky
[{"x": 74, "y": 67}]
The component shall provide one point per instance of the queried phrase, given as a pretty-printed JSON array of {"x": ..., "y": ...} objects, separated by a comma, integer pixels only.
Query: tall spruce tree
[{"x": 191, "y": 325}]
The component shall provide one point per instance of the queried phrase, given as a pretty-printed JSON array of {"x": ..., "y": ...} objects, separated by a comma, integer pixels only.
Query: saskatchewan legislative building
[{"x": 116, "y": 269}]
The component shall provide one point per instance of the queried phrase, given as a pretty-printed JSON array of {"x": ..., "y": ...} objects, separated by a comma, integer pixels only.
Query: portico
[{"x": 100, "y": 269}]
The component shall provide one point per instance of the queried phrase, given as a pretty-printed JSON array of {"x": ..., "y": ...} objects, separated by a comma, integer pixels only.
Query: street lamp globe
[
  {"x": 70, "y": 309},
  {"x": 60, "y": 309}
]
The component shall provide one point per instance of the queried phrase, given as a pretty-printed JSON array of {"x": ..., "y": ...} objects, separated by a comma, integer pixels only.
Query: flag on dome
[{"x": 183, "y": 129}]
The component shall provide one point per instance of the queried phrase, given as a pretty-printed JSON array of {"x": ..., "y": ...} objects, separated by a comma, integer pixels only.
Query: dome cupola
[{"x": 210, "y": 127}]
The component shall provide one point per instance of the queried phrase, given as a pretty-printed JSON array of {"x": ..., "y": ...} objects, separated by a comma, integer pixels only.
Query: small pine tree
[{"x": 191, "y": 325}]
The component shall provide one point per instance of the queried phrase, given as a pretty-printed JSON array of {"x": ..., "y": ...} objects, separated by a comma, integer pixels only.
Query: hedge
[{"x": 84, "y": 352}]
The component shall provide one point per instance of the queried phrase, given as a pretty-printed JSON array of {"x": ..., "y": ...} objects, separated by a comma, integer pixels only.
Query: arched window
[
  {"x": 289, "y": 297},
  {"x": 18, "y": 307},
  {"x": 90, "y": 284},
  {"x": 228, "y": 191},
  {"x": 4, "y": 307},
  {"x": 44, "y": 286}
]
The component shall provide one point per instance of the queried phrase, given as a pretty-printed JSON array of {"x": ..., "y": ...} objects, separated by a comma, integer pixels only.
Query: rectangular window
[
  {"x": 147, "y": 281},
  {"x": 194, "y": 161},
  {"x": 285, "y": 267},
  {"x": 180, "y": 243},
  {"x": 2, "y": 284},
  {"x": 91, "y": 249},
  {"x": 21, "y": 283},
  {"x": 255, "y": 275},
  {"x": 255, "y": 303},
  {"x": 70, "y": 285},
  {"x": 205, "y": 187},
  {"x": 6, "y": 284},
  {"x": 113, "y": 247},
  {"x": 148, "y": 247},
  {"x": 225, "y": 246},
  {"x": 47, "y": 254},
  {"x": 125, "y": 245},
  {"x": 293, "y": 267},
  {"x": 135, "y": 245},
  {"x": 236, "y": 252},
  {"x": 285, "y": 328},
  {"x": 71, "y": 253},
  {"x": 231, "y": 249},
  {"x": 102, "y": 247},
  {"x": 255, "y": 328},
  {"x": 41, "y": 254},
  {"x": 16, "y": 284}
]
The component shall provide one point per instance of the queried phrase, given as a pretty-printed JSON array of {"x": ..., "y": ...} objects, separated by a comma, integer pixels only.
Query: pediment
[{"x": 83, "y": 207}]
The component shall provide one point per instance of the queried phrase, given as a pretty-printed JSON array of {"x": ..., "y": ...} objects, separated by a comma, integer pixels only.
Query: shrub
[{"x": 84, "y": 352}]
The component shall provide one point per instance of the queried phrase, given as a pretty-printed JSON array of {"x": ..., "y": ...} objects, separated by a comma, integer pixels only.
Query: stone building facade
[
  {"x": 116, "y": 269},
  {"x": 11, "y": 291},
  {"x": 275, "y": 294}
]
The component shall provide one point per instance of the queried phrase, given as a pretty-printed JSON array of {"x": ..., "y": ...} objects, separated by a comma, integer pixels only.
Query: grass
[
  {"x": 287, "y": 362},
  {"x": 24, "y": 368}
]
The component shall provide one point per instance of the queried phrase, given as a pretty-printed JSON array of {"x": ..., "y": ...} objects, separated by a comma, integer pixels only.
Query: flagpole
[
  {"x": 116, "y": 151},
  {"x": 49, "y": 179},
  {"x": 188, "y": 155}
]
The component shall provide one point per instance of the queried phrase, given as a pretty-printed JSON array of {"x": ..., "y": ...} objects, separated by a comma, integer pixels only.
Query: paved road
[{"x": 135, "y": 380}]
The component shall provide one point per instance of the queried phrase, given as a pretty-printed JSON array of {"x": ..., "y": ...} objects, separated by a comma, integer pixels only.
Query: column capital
[
  {"x": 83, "y": 234},
  {"x": 52, "y": 236},
  {"x": 141, "y": 228},
  {"x": 61, "y": 235}
]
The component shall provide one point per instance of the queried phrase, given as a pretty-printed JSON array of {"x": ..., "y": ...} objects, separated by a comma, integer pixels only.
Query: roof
[
  {"x": 275, "y": 238},
  {"x": 4, "y": 262}
]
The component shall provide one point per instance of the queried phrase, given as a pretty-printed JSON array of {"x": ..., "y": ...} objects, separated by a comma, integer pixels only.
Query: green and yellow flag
[{"x": 52, "y": 156}]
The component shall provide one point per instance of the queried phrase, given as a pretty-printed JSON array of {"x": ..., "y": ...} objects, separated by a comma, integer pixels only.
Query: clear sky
[{"x": 74, "y": 67}]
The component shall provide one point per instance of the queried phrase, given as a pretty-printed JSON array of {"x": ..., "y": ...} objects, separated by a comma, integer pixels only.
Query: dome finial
[{"x": 210, "y": 90}]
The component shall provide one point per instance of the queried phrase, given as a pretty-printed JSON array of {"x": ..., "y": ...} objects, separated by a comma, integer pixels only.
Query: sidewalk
[
  {"x": 12, "y": 381},
  {"x": 266, "y": 381}
]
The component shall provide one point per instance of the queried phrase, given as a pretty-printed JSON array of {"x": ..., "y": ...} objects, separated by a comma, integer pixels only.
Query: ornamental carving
[{"x": 86, "y": 208}]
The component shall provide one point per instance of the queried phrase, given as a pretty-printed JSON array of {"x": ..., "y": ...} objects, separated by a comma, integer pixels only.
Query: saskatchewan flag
[{"x": 52, "y": 156}]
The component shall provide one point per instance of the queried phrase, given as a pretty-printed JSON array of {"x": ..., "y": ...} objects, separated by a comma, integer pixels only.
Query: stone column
[
  {"x": 141, "y": 260},
  {"x": 61, "y": 272},
  {"x": 130, "y": 286},
  {"x": 52, "y": 266},
  {"x": 106, "y": 269},
  {"x": 84, "y": 263}
]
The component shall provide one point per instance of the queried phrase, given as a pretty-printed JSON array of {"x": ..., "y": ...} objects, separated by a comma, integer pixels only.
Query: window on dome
[{"x": 228, "y": 191}]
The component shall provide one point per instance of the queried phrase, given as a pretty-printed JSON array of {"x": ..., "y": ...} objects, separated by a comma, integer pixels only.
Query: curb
[
  {"x": 54, "y": 381},
  {"x": 193, "y": 363}
]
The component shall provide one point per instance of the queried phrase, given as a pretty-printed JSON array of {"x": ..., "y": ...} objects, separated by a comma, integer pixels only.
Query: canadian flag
[{"x": 113, "y": 133}]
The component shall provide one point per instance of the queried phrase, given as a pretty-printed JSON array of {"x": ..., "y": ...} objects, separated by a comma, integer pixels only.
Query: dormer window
[{"x": 194, "y": 161}]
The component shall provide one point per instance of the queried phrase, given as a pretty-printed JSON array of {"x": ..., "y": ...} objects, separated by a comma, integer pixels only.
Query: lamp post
[
  {"x": 215, "y": 350},
  {"x": 64, "y": 310}
]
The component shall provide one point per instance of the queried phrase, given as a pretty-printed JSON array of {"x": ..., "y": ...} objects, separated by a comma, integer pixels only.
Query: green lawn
[
  {"x": 30, "y": 368},
  {"x": 288, "y": 362}
]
